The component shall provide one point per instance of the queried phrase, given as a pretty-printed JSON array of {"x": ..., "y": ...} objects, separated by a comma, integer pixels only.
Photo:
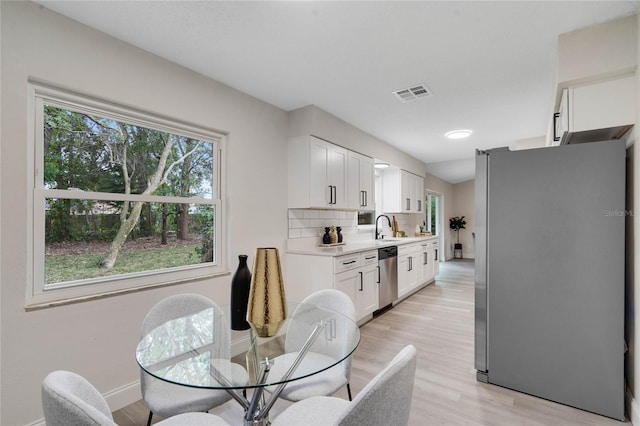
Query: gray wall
[
  {"x": 464, "y": 205},
  {"x": 97, "y": 338}
]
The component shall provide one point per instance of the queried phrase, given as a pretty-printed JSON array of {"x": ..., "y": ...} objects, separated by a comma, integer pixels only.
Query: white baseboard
[
  {"x": 633, "y": 410},
  {"x": 239, "y": 346},
  {"x": 124, "y": 395}
]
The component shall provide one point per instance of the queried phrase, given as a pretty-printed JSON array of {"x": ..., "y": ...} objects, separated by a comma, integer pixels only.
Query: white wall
[
  {"x": 464, "y": 205},
  {"x": 311, "y": 120},
  {"x": 597, "y": 52},
  {"x": 97, "y": 338}
]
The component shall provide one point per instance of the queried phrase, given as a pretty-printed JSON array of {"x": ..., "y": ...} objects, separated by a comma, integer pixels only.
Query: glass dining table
[{"x": 196, "y": 351}]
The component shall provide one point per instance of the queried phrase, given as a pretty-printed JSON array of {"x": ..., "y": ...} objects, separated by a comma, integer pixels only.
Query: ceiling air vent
[{"x": 413, "y": 92}]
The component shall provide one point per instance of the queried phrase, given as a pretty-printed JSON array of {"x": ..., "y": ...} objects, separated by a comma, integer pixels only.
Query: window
[
  {"x": 432, "y": 222},
  {"x": 121, "y": 199}
]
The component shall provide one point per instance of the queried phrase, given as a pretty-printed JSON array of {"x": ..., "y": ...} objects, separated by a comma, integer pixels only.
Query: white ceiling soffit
[{"x": 490, "y": 64}]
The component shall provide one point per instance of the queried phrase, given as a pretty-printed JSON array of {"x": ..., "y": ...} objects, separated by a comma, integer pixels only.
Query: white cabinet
[
  {"x": 436, "y": 258},
  {"x": 430, "y": 261},
  {"x": 360, "y": 182},
  {"x": 355, "y": 274},
  {"x": 595, "y": 112},
  {"x": 417, "y": 193},
  {"x": 417, "y": 265},
  {"x": 408, "y": 267},
  {"x": 317, "y": 174},
  {"x": 403, "y": 192},
  {"x": 361, "y": 284},
  {"x": 426, "y": 262}
]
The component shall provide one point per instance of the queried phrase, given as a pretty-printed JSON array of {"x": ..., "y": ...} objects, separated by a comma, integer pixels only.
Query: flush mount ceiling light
[
  {"x": 381, "y": 165},
  {"x": 458, "y": 134}
]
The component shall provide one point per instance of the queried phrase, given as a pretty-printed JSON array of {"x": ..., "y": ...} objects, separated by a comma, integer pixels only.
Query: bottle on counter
[
  {"x": 333, "y": 235},
  {"x": 326, "y": 238}
]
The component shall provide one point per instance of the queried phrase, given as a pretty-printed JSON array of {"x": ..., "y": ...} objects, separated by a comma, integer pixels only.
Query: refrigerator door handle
[{"x": 481, "y": 279}]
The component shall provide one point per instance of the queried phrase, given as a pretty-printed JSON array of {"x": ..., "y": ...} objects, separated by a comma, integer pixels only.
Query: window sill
[{"x": 38, "y": 305}]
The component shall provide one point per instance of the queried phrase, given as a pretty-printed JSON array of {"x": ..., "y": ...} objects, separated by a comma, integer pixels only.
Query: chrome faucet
[{"x": 388, "y": 220}]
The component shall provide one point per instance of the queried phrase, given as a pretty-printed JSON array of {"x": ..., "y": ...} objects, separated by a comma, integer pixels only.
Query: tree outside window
[{"x": 122, "y": 197}]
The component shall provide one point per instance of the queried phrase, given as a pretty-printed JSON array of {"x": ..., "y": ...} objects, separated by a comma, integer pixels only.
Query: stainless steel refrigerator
[{"x": 550, "y": 263}]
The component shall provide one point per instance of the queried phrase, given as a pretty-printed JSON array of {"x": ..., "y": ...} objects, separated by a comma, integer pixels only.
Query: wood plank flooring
[{"x": 438, "y": 320}]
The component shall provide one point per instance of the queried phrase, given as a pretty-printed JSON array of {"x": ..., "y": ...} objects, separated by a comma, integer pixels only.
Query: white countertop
[{"x": 356, "y": 246}]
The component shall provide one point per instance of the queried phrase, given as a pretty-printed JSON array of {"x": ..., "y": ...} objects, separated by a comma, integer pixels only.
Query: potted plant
[{"x": 456, "y": 224}]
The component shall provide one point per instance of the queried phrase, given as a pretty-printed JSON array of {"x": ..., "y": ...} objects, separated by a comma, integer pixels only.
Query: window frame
[
  {"x": 430, "y": 195},
  {"x": 39, "y": 294}
]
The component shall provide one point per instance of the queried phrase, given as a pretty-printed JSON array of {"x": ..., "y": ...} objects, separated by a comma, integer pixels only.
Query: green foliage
[
  {"x": 456, "y": 224},
  {"x": 99, "y": 154}
]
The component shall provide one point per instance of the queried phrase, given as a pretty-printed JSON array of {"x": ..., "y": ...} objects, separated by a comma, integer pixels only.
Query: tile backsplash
[
  {"x": 305, "y": 223},
  {"x": 311, "y": 223}
]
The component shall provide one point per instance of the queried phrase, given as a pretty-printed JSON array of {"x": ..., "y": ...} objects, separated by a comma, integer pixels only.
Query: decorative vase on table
[
  {"x": 267, "y": 308},
  {"x": 339, "y": 230},
  {"x": 240, "y": 285}
]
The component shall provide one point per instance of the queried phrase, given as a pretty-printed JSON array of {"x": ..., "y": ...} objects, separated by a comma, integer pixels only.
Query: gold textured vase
[{"x": 267, "y": 309}]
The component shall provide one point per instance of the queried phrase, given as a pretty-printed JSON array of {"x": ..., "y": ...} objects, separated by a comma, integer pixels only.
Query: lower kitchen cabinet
[
  {"x": 361, "y": 285},
  {"x": 355, "y": 274},
  {"x": 430, "y": 261},
  {"x": 408, "y": 266},
  {"x": 417, "y": 264}
]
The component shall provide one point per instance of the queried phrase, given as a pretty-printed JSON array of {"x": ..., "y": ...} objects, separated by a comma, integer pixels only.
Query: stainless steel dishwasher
[{"x": 387, "y": 276}]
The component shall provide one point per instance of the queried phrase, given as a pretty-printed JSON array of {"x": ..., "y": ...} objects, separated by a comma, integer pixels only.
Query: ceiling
[{"x": 489, "y": 65}]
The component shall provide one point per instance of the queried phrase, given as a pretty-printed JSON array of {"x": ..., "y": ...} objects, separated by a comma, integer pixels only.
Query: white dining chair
[
  {"x": 384, "y": 401},
  {"x": 68, "y": 399},
  {"x": 167, "y": 399},
  {"x": 331, "y": 380}
]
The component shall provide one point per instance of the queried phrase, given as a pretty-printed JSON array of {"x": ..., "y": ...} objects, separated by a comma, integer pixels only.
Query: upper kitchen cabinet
[
  {"x": 403, "y": 192},
  {"x": 360, "y": 182},
  {"x": 317, "y": 174},
  {"x": 595, "y": 85},
  {"x": 595, "y": 112}
]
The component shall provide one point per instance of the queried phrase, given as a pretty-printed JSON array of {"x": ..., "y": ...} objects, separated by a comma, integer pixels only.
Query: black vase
[
  {"x": 326, "y": 238},
  {"x": 339, "y": 229},
  {"x": 240, "y": 285}
]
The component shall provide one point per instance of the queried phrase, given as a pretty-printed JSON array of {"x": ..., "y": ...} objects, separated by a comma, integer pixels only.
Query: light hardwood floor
[{"x": 438, "y": 320}]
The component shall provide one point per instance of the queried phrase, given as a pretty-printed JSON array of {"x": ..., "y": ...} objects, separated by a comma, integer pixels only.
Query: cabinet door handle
[
  {"x": 370, "y": 257},
  {"x": 555, "y": 124},
  {"x": 361, "y": 280},
  {"x": 426, "y": 258},
  {"x": 410, "y": 263},
  {"x": 330, "y": 194},
  {"x": 419, "y": 205},
  {"x": 335, "y": 194},
  {"x": 378, "y": 274},
  {"x": 349, "y": 262},
  {"x": 408, "y": 204},
  {"x": 366, "y": 198},
  {"x": 436, "y": 255}
]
